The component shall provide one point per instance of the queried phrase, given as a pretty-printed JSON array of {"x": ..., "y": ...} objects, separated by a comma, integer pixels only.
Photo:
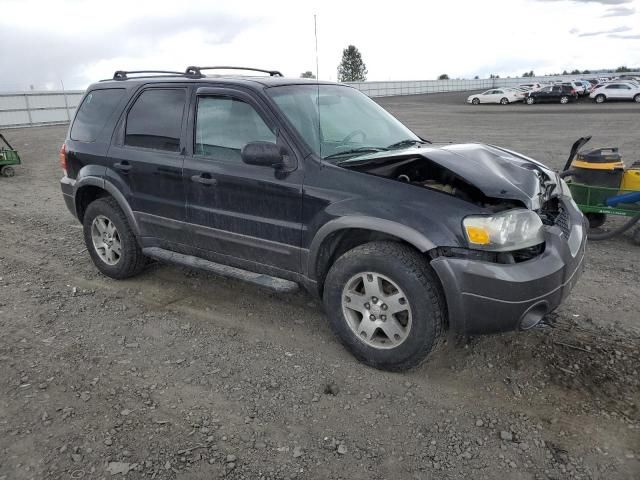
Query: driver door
[{"x": 248, "y": 214}]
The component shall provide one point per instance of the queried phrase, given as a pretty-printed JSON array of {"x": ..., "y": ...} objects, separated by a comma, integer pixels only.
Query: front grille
[
  {"x": 554, "y": 213},
  {"x": 563, "y": 221}
]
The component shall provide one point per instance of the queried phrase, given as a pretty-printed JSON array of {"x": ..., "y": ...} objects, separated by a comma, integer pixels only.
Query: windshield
[{"x": 340, "y": 122}]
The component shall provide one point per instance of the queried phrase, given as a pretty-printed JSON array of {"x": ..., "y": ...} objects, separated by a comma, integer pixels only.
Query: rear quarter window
[{"x": 96, "y": 108}]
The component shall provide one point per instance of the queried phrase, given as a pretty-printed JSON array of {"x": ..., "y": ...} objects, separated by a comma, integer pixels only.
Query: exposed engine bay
[{"x": 422, "y": 172}]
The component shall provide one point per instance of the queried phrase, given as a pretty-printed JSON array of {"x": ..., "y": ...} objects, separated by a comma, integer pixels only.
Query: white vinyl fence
[{"x": 26, "y": 109}]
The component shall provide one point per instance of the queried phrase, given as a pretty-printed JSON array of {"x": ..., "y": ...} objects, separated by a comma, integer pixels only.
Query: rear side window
[
  {"x": 92, "y": 115},
  {"x": 155, "y": 120}
]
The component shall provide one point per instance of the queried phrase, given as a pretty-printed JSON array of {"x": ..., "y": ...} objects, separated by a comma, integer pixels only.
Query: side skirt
[{"x": 275, "y": 284}]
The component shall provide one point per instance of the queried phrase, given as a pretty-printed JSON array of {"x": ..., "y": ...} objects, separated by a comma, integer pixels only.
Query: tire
[
  {"x": 504, "y": 101},
  {"x": 530, "y": 101},
  {"x": 7, "y": 171},
  {"x": 637, "y": 98},
  {"x": 475, "y": 101},
  {"x": 564, "y": 99},
  {"x": 405, "y": 275},
  {"x": 123, "y": 262},
  {"x": 600, "y": 98},
  {"x": 596, "y": 220}
]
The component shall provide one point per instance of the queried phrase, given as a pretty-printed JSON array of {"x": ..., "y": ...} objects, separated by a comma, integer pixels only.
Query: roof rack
[
  {"x": 124, "y": 74},
  {"x": 197, "y": 71}
]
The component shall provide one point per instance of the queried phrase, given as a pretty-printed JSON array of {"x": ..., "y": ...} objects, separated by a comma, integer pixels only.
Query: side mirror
[{"x": 265, "y": 154}]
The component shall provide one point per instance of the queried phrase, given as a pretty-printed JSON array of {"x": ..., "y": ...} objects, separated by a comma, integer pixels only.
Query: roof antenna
[{"x": 315, "y": 31}]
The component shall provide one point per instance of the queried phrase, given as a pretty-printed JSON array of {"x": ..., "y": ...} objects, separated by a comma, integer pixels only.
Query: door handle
[
  {"x": 123, "y": 166},
  {"x": 204, "y": 179}
]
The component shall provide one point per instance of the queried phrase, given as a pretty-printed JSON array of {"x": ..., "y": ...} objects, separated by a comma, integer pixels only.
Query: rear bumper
[
  {"x": 484, "y": 297},
  {"x": 67, "y": 186}
]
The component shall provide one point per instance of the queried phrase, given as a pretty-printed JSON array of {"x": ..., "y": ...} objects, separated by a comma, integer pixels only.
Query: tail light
[{"x": 63, "y": 158}]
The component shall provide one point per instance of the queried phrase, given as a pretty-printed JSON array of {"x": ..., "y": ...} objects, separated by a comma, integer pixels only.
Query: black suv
[
  {"x": 283, "y": 182},
  {"x": 552, "y": 93}
]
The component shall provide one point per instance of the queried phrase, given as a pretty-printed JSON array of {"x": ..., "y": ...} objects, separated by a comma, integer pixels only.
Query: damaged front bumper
[{"x": 486, "y": 297}]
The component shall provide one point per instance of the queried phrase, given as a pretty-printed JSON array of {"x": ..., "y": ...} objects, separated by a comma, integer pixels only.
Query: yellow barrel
[{"x": 631, "y": 178}]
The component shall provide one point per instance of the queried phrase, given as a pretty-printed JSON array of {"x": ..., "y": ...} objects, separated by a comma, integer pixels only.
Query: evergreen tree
[{"x": 352, "y": 68}]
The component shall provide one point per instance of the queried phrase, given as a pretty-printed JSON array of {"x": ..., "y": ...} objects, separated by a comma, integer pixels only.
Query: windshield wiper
[
  {"x": 356, "y": 150},
  {"x": 406, "y": 143}
]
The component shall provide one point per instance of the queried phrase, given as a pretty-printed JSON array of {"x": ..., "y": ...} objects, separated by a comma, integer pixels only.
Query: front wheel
[
  {"x": 564, "y": 99},
  {"x": 385, "y": 305},
  {"x": 110, "y": 241},
  {"x": 530, "y": 101},
  {"x": 637, "y": 98},
  {"x": 600, "y": 98},
  {"x": 504, "y": 101},
  {"x": 475, "y": 101}
]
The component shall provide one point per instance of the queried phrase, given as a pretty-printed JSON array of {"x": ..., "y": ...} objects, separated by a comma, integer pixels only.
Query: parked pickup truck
[{"x": 286, "y": 182}]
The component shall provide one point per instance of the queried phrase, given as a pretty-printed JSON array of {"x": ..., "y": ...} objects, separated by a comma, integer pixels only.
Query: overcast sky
[{"x": 44, "y": 42}]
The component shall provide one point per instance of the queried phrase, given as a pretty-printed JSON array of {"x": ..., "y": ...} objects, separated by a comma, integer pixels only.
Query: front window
[{"x": 339, "y": 121}]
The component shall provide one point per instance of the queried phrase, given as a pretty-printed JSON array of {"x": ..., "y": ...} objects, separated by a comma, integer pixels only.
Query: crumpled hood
[{"x": 497, "y": 172}]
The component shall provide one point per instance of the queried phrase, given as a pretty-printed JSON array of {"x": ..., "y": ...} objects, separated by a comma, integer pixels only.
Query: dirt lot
[{"x": 178, "y": 374}]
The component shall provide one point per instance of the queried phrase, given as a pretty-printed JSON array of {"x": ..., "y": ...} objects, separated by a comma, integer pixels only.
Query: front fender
[{"x": 410, "y": 235}]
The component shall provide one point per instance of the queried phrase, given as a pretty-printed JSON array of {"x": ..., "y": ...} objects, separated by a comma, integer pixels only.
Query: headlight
[{"x": 508, "y": 230}]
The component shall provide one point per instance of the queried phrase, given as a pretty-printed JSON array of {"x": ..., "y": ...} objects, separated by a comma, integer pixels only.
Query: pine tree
[{"x": 352, "y": 68}]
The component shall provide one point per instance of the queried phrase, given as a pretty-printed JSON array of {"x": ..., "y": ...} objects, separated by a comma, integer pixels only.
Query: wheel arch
[
  {"x": 340, "y": 235},
  {"x": 89, "y": 189}
]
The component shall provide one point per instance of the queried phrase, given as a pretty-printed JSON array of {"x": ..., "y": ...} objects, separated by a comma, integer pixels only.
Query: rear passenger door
[
  {"x": 148, "y": 156},
  {"x": 244, "y": 214}
]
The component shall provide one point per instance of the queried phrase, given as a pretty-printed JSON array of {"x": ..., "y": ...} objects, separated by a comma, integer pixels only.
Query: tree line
[{"x": 353, "y": 69}]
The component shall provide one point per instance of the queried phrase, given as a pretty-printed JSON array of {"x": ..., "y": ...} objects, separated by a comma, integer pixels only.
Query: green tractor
[{"x": 8, "y": 158}]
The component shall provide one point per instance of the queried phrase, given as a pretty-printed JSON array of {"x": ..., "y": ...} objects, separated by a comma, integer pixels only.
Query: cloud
[
  {"x": 46, "y": 56},
  {"x": 605, "y": 32},
  {"x": 619, "y": 12},
  {"x": 629, "y": 37},
  {"x": 603, "y": 2}
]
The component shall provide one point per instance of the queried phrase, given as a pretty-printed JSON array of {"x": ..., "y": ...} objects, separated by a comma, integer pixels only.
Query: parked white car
[
  {"x": 533, "y": 87},
  {"x": 496, "y": 95},
  {"x": 616, "y": 91}
]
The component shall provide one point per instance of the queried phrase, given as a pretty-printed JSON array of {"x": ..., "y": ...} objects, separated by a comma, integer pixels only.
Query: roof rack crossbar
[
  {"x": 123, "y": 74},
  {"x": 196, "y": 71}
]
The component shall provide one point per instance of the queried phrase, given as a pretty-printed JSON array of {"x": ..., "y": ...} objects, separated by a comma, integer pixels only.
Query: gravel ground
[{"x": 178, "y": 374}]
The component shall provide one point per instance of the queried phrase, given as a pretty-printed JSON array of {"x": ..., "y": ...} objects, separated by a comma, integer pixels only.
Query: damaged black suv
[{"x": 287, "y": 182}]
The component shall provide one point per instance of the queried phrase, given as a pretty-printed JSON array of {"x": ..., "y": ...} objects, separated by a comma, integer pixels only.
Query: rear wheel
[
  {"x": 637, "y": 98},
  {"x": 600, "y": 98},
  {"x": 475, "y": 101},
  {"x": 7, "y": 171},
  {"x": 564, "y": 99},
  {"x": 110, "y": 241},
  {"x": 385, "y": 305},
  {"x": 530, "y": 100},
  {"x": 504, "y": 101}
]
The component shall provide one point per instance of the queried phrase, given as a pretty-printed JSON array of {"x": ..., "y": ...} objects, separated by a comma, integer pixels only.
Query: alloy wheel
[
  {"x": 377, "y": 310},
  {"x": 106, "y": 240}
]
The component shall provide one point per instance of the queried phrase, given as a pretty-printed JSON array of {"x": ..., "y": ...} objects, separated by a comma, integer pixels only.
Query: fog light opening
[{"x": 533, "y": 316}]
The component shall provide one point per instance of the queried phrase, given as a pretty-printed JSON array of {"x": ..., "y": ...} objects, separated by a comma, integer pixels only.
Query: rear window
[
  {"x": 155, "y": 120},
  {"x": 92, "y": 115}
]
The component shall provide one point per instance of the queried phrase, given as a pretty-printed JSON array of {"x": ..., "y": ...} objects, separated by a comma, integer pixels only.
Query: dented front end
[{"x": 495, "y": 289}]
